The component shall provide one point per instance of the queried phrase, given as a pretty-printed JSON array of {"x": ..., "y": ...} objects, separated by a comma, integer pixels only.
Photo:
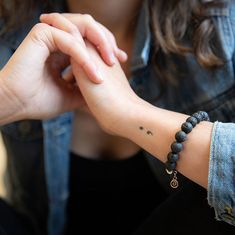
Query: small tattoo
[{"x": 149, "y": 133}]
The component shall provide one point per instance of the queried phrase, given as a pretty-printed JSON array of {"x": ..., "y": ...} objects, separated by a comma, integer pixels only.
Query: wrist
[
  {"x": 130, "y": 117},
  {"x": 11, "y": 108}
]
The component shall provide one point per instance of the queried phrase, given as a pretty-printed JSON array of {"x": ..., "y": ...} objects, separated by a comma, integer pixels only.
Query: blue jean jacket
[{"x": 38, "y": 152}]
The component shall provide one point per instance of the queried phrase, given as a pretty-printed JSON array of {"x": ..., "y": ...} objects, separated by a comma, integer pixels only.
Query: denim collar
[
  {"x": 141, "y": 49},
  {"x": 219, "y": 9},
  {"x": 141, "y": 52},
  {"x": 14, "y": 38}
]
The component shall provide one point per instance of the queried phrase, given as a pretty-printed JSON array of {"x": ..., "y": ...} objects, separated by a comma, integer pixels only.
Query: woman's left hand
[{"x": 111, "y": 102}]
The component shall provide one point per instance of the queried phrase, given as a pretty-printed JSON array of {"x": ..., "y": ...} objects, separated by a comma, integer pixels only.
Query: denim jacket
[{"x": 38, "y": 152}]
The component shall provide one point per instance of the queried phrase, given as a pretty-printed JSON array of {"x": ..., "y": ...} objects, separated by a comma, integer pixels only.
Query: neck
[{"x": 119, "y": 16}]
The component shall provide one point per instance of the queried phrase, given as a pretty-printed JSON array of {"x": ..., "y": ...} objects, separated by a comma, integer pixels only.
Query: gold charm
[{"x": 174, "y": 182}]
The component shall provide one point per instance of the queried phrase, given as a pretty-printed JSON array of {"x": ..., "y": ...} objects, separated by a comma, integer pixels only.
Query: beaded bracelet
[{"x": 177, "y": 146}]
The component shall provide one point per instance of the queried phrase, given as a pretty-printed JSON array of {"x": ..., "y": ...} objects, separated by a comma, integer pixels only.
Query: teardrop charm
[{"x": 174, "y": 183}]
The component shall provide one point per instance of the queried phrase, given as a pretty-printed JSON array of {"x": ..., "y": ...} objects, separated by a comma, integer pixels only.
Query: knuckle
[
  {"x": 88, "y": 18},
  {"x": 80, "y": 14},
  {"x": 38, "y": 28},
  {"x": 70, "y": 26},
  {"x": 108, "y": 35},
  {"x": 71, "y": 45},
  {"x": 84, "y": 63},
  {"x": 54, "y": 17},
  {"x": 73, "y": 29},
  {"x": 111, "y": 36},
  {"x": 74, "y": 46},
  {"x": 40, "y": 34}
]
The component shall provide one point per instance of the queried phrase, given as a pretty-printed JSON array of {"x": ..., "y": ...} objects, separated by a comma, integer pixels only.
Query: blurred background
[{"x": 2, "y": 167}]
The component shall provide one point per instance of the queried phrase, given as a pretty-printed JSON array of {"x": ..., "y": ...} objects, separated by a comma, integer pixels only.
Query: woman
[{"x": 143, "y": 124}]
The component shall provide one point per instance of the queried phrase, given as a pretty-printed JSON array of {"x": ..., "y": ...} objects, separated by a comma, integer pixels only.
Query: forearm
[
  {"x": 154, "y": 130},
  {"x": 10, "y": 107}
]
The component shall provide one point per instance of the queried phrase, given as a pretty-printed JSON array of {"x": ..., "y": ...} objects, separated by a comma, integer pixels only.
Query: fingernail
[
  {"x": 99, "y": 76},
  {"x": 123, "y": 54},
  {"x": 92, "y": 66},
  {"x": 95, "y": 72},
  {"x": 112, "y": 59}
]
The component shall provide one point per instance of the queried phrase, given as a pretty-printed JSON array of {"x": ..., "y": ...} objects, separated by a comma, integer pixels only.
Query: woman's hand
[
  {"x": 117, "y": 91},
  {"x": 120, "y": 112},
  {"x": 33, "y": 74},
  {"x": 112, "y": 101},
  {"x": 83, "y": 26}
]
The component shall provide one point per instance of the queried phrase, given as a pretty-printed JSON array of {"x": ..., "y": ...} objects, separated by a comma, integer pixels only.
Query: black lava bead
[
  {"x": 198, "y": 116},
  {"x": 187, "y": 127},
  {"x": 180, "y": 136},
  {"x": 170, "y": 166},
  {"x": 205, "y": 116},
  {"x": 176, "y": 147},
  {"x": 172, "y": 157},
  {"x": 192, "y": 120}
]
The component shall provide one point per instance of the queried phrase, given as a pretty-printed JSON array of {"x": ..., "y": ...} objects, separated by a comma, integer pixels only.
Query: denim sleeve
[{"x": 221, "y": 182}]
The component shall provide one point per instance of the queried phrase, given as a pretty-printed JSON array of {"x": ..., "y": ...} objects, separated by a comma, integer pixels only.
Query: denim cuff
[{"x": 221, "y": 181}]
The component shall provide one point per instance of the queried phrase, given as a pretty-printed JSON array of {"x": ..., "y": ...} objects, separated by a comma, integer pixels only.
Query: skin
[
  {"x": 136, "y": 111},
  {"x": 26, "y": 96},
  {"x": 52, "y": 49},
  {"x": 139, "y": 113},
  {"x": 163, "y": 124},
  {"x": 117, "y": 16},
  {"x": 31, "y": 93}
]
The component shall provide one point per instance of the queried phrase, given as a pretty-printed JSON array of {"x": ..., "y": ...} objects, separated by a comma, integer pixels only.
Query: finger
[
  {"x": 120, "y": 54},
  {"x": 91, "y": 30},
  {"x": 67, "y": 75},
  {"x": 83, "y": 25},
  {"x": 55, "y": 39},
  {"x": 58, "y": 21}
]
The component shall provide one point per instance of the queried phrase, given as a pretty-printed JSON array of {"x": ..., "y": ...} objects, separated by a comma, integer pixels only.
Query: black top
[{"x": 110, "y": 197}]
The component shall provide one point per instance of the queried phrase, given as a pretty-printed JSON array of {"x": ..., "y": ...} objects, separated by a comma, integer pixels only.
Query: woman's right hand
[
  {"x": 33, "y": 74},
  {"x": 89, "y": 29}
]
